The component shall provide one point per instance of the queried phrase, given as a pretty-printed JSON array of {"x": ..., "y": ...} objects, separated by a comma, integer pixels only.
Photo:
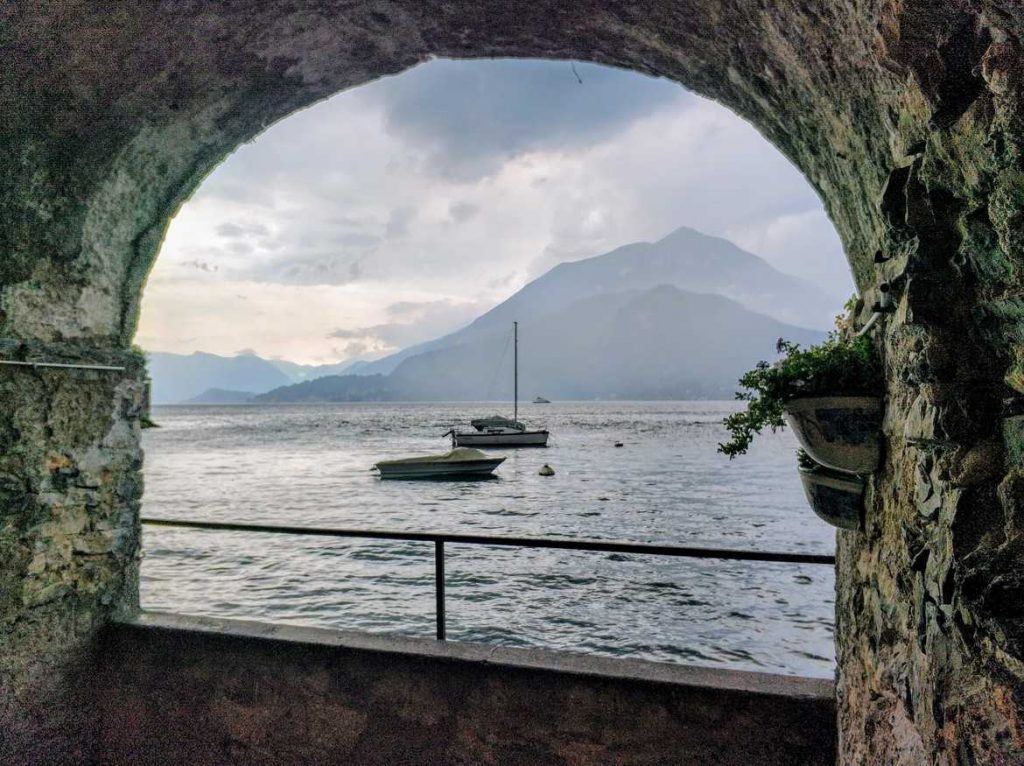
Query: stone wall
[
  {"x": 905, "y": 115},
  {"x": 930, "y": 611},
  {"x": 70, "y": 486},
  {"x": 190, "y": 691}
]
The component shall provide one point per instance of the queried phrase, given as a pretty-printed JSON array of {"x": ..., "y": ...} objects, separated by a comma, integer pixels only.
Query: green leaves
[{"x": 836, "y": 367}]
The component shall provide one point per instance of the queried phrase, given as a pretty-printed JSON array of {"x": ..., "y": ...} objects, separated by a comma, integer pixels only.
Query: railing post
[{"x": 439, "y": 587}]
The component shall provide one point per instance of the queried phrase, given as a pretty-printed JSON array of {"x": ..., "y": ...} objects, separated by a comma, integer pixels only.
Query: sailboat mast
[{"x": 515, "y": 375}]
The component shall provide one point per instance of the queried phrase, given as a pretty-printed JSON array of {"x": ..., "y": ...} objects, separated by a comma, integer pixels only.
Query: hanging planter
[
  {"x": 839, "y": 432},
  {"x": 829, "y": 394},
  {"x": 836, "y": 498}
]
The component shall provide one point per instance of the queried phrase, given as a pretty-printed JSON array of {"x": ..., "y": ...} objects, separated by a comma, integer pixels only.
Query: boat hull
[
  {"x": 516, "y": 439},
  {"x": 463, "y": 469}
]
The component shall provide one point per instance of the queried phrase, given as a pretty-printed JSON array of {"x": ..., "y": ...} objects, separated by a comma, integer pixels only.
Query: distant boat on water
[
  {"x": 541, "y": 400},
  {"x": 498, "y": 431}
]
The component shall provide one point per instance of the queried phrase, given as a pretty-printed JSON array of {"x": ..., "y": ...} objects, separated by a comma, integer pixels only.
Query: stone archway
[{"x": 905, "y": 116}]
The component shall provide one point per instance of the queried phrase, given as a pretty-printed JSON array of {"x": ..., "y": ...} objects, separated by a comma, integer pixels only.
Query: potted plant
[
  {"x": 829, "y": 394},
  {"x": 835, "y": 497}
]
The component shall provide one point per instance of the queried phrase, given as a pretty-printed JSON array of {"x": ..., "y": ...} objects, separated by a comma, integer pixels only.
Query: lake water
[{"x": 308, "y": 465}]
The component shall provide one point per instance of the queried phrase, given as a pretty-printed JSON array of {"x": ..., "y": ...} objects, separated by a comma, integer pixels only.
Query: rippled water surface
[{"x": 309, "y": 465}]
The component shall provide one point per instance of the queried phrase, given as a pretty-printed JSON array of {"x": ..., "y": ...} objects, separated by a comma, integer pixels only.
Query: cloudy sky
[{"x": 401, "y": 210}]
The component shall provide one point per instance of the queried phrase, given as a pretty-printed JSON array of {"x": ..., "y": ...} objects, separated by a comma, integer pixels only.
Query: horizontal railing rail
[{"x": 440, "y": 538}]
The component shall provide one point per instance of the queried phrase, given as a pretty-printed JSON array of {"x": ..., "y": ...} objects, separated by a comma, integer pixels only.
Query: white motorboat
[
  {"x": 541, "y": 400},
  {"x": 458, "y": 463},
  {"x": 497, "y": 431}
]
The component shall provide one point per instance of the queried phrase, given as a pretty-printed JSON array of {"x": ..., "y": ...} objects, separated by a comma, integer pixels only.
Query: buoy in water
[
  {"x": 618, "y": 444},
  {"x": 547, "y": 470}
]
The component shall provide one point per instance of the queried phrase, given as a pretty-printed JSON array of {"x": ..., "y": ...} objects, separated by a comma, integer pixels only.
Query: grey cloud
[
  {"x": 415, "y": 321},
  {"x": 231, "y": 230},
  {"x": 240, "y": 248},
  {"x": 354, "y": 349},
  {"x": 344, "y": 334},
  {"x": 356, "y": 239},
  {"x": 430, "y": 311},
  {"x": 562, "y": 251},
  {"x": 351, "y": 222},
  {"x": 409, "y": 309},
  {"x": 473, "y": 115},
  {"x": 308, "y": 269},
  {"x": 460, "y": 212},
  {"x": 504, "y": 281},
  {"x": 398, "y": 222},
  {"x": 199, "y": 265}
]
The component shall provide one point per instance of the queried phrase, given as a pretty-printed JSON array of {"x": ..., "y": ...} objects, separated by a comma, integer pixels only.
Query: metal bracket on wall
[
  {"x": 883, "y": 306},
  {"x": 62, "y": 365}
]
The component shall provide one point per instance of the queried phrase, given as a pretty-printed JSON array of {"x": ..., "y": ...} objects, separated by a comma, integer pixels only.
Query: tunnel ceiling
[{"x": 116, "y": 111}]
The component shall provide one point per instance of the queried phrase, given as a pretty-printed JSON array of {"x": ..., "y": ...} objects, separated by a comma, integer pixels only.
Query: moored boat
[
  {"x": 498, "y": 431},
  {"x": 460, "y": 462},
  {"x": 500, "y": 437},
  {"x": 541, "y": 400}
]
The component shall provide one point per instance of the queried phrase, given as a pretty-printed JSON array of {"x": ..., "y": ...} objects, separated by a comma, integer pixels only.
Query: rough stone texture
[
  {"x": 69, "y": 495},
  {"x": 194, "y": 692},
  {"x": 905, "y": 115}
]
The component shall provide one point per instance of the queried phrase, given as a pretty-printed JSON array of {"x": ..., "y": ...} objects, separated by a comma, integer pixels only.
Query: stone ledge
[{"x": 749, "y": 682}]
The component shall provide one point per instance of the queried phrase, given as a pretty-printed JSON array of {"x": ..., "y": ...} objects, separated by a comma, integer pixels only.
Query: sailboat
[{"x": 497, "y": 431}]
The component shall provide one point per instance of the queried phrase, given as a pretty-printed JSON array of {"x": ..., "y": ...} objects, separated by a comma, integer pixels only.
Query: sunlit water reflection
[{"x": 309, "y": 465}]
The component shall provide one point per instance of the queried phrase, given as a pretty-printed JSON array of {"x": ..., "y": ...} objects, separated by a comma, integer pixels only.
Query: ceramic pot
[
  {"x": 835, "y": 497},
  {"x": 840, "y": 432}
]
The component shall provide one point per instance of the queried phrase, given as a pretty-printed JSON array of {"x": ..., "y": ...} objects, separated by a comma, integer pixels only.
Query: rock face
[
  {"x": 905, "y": 116},
  {"x": 70, "y": 486}
]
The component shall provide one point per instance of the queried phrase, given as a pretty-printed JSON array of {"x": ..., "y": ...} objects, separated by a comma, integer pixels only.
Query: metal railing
[{"x": 440, "y": 538}]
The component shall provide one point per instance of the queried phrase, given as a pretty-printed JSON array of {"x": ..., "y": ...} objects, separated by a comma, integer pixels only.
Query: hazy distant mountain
[
  {"x": 299, "y": 372},
  {"x": 658, "y": 343},
  {"x": 221, "y": 396},
  {"x": 179, "y": 377},
  {"x": 581, "y": 295},
  {"x": 337, "y": 388},
  {"x": 211, "y": 379},
  {"x": 686, "y": 259}
]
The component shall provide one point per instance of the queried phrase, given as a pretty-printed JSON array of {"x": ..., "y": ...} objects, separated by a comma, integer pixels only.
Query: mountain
[
  {"x": 211, "y": 379},
  {"x": 221, "y": 396},
  {"x": 180, "y": 377},
  {"x": 686, "y": 259},
  {"x": 656, "y": 343},
  {"x": 336, "y": 388},
  {"x": 691, "y": 263},
  {"x": 299, "y": 372}
]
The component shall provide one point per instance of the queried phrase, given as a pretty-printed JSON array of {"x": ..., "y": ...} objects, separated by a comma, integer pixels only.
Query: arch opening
[{"x": 390, "y": 236}]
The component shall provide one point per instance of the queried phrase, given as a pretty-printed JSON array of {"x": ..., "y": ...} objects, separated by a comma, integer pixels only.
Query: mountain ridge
[
  {"x": 686, "y": 260},
  {"x": 686, "y": 257},
  {"x": 610, "y": 346}
]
